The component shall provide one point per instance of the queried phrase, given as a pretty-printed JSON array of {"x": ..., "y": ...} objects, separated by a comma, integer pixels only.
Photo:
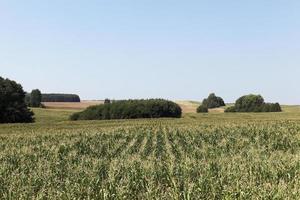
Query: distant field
[
  {"x": 71, "y": 105},
  {"x": 191, "y": 107},
  {"x": 187, "y": 106}
]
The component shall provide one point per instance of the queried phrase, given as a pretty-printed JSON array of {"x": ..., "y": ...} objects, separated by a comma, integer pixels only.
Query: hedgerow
[{"x": 130, "y": 109}]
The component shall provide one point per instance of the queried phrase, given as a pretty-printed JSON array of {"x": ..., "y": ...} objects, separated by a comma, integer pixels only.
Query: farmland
[
  {"x": 187, "y": 106},
  {"x": 200, "y": 156},
  {"x": 71, "y": 105}
]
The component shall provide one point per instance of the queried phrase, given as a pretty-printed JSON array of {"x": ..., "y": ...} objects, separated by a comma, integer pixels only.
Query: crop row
[{"x": 230, "y": 161}]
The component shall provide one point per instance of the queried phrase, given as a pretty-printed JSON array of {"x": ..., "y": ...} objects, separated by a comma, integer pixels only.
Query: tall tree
[
  {"x": 36, "y": 98},
  {"x": 13, "y": 108},
  {"x": 213, "y": 101}
]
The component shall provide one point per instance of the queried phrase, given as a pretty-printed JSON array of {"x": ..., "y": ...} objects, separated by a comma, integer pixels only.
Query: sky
[{"x": 178, "y": 50}]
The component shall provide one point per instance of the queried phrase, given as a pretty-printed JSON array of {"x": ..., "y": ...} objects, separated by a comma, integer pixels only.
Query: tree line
[
  {"x": 130, "y": 109},
  {"x": 36, "y": 96},
  {"x": 14, "y": 101},
  {"x": 60, "y": 98},
  {"x": 246, "y": 103},
  {"x": 14, "y": 104}
]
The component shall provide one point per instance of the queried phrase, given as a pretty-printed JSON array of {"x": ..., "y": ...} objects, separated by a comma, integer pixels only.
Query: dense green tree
[
  {"x": 275, "y": 107},
  {"x": 130, "y": 109},
  {"x": 230, "y": 109},
  {"x": 253, "y": 103},
  {"x": 202, "y": 109},
  {"x": 249, "y": 103},
  {"x": 13, "y": 108},
  {"x": 27, "y": 98},
  {"x": 35, "y": 98},
  {"x": 213, "y": 101}
]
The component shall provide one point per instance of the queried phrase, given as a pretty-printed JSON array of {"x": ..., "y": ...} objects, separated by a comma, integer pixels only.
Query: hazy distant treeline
[
  {"x": 56, "y": 97},
  {"x": 60, "y": 98}
]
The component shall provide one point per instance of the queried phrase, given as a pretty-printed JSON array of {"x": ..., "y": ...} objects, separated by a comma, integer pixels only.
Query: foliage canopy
[
  {"x": 13, "y": 108},
  {"x": 213, "y": 101},
  {"x": 253, "y": 103},
  {"x": 35, "y": 98},
  {"x": 130, "y": 109},
  {"x": 202, "y": 109}
]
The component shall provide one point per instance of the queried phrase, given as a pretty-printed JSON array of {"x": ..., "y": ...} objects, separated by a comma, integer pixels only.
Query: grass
[{"x": 200, "y": 156}]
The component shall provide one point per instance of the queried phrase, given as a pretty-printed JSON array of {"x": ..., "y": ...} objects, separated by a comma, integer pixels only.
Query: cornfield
[{"x": 151, "y": 159}]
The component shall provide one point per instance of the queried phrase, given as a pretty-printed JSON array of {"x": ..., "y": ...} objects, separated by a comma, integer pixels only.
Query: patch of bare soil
[{"x": 71, "y": 105}]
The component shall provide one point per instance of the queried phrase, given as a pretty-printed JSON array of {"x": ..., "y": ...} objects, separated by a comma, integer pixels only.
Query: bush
[
  {"x": 253, "y": 103},
  {"x": 212, "y": 101},
  {"x": 106, "y": 101},
  {"x": 275, "y": 107},
  {"x": 270, "y": 107},
  {"x": 249, "y": 103},
  {"x": 202, "y": 109},
  {"x": 35, "y": 98},
  {"x": 60, "y": 98},
  {"x": 13, "y": 108},
  {"x": 130, "y": 109},
  {"x": 230, "y": 109},
  {"x": 75, "y": 116}
]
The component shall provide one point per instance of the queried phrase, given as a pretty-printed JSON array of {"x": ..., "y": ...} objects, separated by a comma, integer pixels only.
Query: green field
[{"x": 200, "y": 156}]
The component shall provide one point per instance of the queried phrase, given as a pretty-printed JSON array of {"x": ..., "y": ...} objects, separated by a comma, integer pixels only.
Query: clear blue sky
[{"x": 153, "y": 48}]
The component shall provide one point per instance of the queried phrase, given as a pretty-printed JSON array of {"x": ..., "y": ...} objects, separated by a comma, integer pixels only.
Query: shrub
[
  {"x": 230, "y": 109},
  {"x": 75, "y": 116},
  {"x": 253, "y": 103},
  {"x": 249, "y": 103},
  {"x": 202, "y": 109},
  {"x": 35, "y": 98},
  {"x": 13, "y": 108},
  {"x": 212, "y": 101},
  {"x": 60, "y": 98},
  {"x": 106, "y": 101},
  {"x": 275, "y": 107},
  {"x": 270, "y": 107},
  {"x": 130, "y": 109}
]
